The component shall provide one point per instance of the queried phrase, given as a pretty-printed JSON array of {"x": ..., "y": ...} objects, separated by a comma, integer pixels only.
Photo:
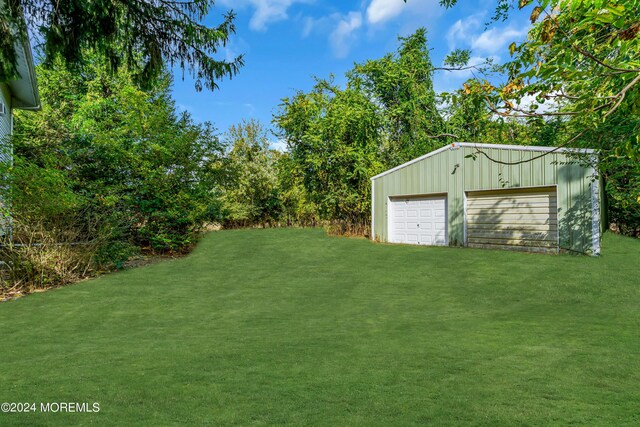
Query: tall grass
[{"x": 40, "y": 256}]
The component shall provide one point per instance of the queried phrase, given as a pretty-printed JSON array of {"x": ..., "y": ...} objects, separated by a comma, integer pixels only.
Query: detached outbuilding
[
  {"x": 538, "y": 199},
  {"x": 20, "y": 93}
]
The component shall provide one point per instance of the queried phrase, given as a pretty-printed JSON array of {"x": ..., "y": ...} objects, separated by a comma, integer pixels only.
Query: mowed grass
[{"x": 262, "y": 327}]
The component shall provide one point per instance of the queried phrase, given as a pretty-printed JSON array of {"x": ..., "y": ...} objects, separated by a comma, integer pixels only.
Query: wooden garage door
[
  {"x": 516, "y": 219},
  {"x": 418, "y": 220}
]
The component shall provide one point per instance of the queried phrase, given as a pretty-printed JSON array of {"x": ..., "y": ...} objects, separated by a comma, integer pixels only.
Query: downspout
[
  {"x": 373, "y": 209},
  {"x": 595, "y": 210}
]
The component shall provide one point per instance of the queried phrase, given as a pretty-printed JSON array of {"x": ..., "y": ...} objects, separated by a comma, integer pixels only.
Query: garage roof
[
  {"x": 480, "y": 146},
  {"x": 24, "y": 90}
]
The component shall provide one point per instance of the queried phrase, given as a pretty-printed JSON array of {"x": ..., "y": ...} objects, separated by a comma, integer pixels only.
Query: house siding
[
  {"x": 438, "y": 174},
  {"x": 5, "y": 149},
  {"x": 5, "y": 121}
]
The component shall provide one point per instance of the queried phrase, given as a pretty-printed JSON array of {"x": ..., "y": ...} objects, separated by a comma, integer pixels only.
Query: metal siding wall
[
  {"x": 5, "y": 149},
  {"x": 5, "y": 121},
  {"x": 434, "y": 175}
]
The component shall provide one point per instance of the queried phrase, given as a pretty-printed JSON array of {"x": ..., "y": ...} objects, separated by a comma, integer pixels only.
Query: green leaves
[
  {"x": 340, "y": 137},
  {"x": 141, "y": 35},
  {"x": 106, "y": 151},
  {"x": 581, "y": 60},
  {"x": 249, "y": 194},
  {"x": 458, "y": 58}
]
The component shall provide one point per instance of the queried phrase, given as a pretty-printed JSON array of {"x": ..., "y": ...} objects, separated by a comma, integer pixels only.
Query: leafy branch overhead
[
  {"x": 581, "y": 61},
  {"x": 579, "y": 53},
  {"x": 143, "y": 35}
]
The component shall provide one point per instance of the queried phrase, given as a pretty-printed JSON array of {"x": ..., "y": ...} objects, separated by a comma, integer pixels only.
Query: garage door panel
[
  {"x": 511, "y": 198},
  {"x": 490, "y": 228},
  {"x": 510, "y": 216},
  {"x": 516, "y": 234},
  {"x": 524, "y": 219},
  {"x": 517, "y": 242},
  {"x": 400, "y": 226},
  {"x": 412, "y": 238},
  {"x": 484, "y": 221},
  {"x": 535, "y": 249},
  {"x": 514, "y": 204},
  {"x": 510, "y": 209},
  {"x": 418, "y": 220}
]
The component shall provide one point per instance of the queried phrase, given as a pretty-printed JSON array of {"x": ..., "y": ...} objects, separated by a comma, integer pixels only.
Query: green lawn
[{"x": 293, "y": 327}]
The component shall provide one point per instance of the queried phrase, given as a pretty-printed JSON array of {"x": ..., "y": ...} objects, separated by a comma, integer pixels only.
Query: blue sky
[{"x": 287, "y": 42}]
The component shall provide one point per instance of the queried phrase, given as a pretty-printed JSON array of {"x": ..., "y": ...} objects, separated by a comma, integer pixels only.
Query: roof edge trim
[
  {"x": 28, "y": 53},
  {"x": 481, "y": 145}
]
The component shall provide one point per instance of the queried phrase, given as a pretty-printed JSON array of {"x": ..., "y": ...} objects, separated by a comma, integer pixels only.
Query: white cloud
[
  {"x": 342, "y": 36},
  {"x": 322, "y": 25},
  {"x": 345, "y": 29},
  {"x": 462, "y": 30},
  {"x": 184, "y": 108},
  {"x": 341, "y": 30},
  {"x": 496, "y": 39},
  {"x": 528, "y": 100},
  {"x": 280, "y": 145},
  {"x": 383, "y": 10},
  {"x": 250, "y": 108},
  {"x": 465, "y": 33},
  {"x": 235, "y": 47},
  {"x": 266, "y": 11},
  {"x": 230, "y": 54},
  {"x": 309, "y": 25}
]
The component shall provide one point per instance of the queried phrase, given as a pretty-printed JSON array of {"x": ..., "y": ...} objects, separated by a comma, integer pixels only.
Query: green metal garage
[{"x": 538, "y": 199}]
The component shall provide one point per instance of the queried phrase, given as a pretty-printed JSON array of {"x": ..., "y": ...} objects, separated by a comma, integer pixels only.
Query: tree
[
  {"x": 579, "y": 70},
  {"x": 400, "y": 83},
  {"x": 104, "y": 151},
  {"x": 469, "y": 118},
  {"x": 580, "y": 61},
  {"x": 334, "y": 138},
  {"x": 340, "y": 137},
  {"x": 249, "y": 195},
  {"x": 145, "y": 36},
  {"x": 297, "y": 207}
]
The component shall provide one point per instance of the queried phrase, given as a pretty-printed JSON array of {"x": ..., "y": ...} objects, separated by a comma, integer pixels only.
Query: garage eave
[
  {"x": 24, "y": 89},
  {"x": 478, "y": 145},
  {"x": 410, "y": 162}
]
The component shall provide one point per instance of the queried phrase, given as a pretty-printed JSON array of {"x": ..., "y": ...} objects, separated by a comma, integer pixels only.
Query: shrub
[{"x": 40, "y": 257}]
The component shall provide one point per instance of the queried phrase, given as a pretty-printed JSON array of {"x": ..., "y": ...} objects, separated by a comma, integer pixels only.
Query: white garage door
[
  {"x": 418, "y": 221},
  {"x": 516, "y": 219}
]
